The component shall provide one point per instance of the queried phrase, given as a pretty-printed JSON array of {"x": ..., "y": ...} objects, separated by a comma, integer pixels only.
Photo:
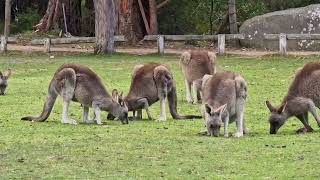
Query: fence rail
[
  {"x": 284, "y": 37},
  {"x": 220, "y": 37},
  {"x": 47, "y": 42}
]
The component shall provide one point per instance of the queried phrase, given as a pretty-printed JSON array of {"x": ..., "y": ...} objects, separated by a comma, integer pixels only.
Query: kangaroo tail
[
  {"x": 172, "y": 100},
  {"x": 47, "y": 108}
]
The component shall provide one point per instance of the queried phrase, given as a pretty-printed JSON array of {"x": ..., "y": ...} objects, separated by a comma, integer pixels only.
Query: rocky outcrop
[{"x": 303, "y": 20}]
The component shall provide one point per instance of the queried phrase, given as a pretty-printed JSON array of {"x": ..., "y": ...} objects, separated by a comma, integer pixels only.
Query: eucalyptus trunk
[{"x": 105, "y": 23}]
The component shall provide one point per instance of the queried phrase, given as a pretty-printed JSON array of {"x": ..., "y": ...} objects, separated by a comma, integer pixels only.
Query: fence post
[
  {"x": 160, "y": 40},
  {"x": 221, "y": 43},
  {"x": 47, "y": 44},
  {"x": 283, "y": 44},
  {"x": 3, "y": 45}
]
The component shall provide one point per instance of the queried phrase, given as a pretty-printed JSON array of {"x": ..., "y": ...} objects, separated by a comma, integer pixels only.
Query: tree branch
[
  {"x": 143, "y": 14},
  {"x": 162, "y": 4}
]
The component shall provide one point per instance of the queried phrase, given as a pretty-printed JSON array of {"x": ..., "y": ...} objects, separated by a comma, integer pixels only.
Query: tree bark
[
  {"x": 233, "y": 17},
  {"x": 130, "y": 23},
  {"x": 233, "y": 25},
  {"x": 7, "y": 19},
  {"x": 105, "y": 23},
  {"x": 53, "y": 18},
  {"x": 153, "y": 13},
  {"x": 4, "y": 40}
]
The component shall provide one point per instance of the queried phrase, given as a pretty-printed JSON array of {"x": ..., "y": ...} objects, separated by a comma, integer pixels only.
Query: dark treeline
[{"x": 178, "y": 17}]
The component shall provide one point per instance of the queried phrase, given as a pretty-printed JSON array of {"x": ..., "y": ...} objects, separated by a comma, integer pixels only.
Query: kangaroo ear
[
  {"x": 270, "y": 107},
  {"x": 1, "y": 75},
  {"x": 7, "y": 74},
  {"x": 220, "y": 110},
  {"x": 115, "y": 95},
  {"x": 282, "y": 108},
  {"x": 208, "y": 109}
]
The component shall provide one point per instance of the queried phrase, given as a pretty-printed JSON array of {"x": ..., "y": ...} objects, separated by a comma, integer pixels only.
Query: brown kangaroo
[
  {"x": 303, "y": 96},
  {"x": 194, "y": 65},
  {"x": 150, "y": 83},
  {"x": 224, "y": 96},
  {"x": 80, "y": 84},
  {"x": 4, "y": 81}
]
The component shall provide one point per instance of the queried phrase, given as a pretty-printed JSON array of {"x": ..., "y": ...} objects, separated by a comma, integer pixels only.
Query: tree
[
  {"x": 130, "y": 23},
  {"x": 105, "y": 23},
  {"x": 53, "y": 18},
  {"x": 6, "y": 26},
  {"x": 233, "y": 17},
  {"x": 151, "y": 23}
]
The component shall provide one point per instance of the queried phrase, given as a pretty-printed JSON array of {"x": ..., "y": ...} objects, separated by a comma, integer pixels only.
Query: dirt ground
[{"x": 152, "y": 50}]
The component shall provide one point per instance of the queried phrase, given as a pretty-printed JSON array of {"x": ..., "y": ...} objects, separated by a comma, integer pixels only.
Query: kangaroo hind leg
[{"x": 66, "y": 81}]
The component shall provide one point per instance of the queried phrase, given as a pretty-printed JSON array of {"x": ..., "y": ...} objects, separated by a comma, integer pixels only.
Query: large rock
[{"x": 303, "y": 20}]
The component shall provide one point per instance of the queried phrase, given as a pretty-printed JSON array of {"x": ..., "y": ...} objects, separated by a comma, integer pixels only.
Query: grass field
[{"x": 148, "y": 149}]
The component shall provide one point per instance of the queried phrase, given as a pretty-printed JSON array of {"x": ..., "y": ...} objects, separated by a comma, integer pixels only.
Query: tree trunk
[
  {"x": 105, "y": 23},
  {"x": 233, "y": 25},
  {"x": 130, "y": 22},
  {"x": 153, "y": 13},
  {"x": 7, "y": 19},
  {"x": 53, "y": 18},
  {"x": 233, "y": 17},
  {"x": 3, "y": 47}
]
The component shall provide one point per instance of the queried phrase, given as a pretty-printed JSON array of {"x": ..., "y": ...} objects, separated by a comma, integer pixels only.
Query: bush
[{"x": 25, "y": 21}]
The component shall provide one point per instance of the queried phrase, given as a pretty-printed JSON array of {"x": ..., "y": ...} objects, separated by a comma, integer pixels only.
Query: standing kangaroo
[
  {"x": 194, "y": 65},
  {"x": 224, "y": 96},
  {"x": 303, "y": 96},
  {"x": 80, "y": 84},
  {"x": 4, "y": 81},
  {"x": 150, "y": 83}
]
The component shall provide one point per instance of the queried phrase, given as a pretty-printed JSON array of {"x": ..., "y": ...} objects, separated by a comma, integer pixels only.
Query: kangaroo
[
  {"x": 150, "y": 83},
  {"x": 303, "y": 96},
  {"x": 80, "y": 84},
  {"x": 194, "y": 65},
  {"x": 224, "y": 96},
  {"x": 4, "y": 81}
]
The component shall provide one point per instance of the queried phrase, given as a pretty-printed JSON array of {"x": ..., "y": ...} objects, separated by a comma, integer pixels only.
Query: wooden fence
[
  {"x": 221, "y": 39},
  {"x": 47, "y": 42},
  {"x": 284, "y": 37}
]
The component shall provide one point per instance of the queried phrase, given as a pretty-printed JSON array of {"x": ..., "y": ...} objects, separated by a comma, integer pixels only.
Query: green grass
[{"x": 148, "y": 149}]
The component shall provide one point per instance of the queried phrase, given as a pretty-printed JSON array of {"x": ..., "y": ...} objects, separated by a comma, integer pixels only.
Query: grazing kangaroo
[
  {"x": 80, "y": 84},
  {"x": 224, "y": 96},
  {"x": 150, "y": 83},
  {"x": 303, "y": 96},
  {"x": 194, "y": 65},
  {"x": 4, "y": 81}
]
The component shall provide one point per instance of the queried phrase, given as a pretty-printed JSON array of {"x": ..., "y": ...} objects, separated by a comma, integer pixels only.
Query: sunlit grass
[{"x": 147, "y": 149}]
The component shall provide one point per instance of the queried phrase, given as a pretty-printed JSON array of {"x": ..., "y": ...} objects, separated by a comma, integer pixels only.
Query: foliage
[
  {"x": 147, "y": 149},
  {"x": 25, "y": 21},
  {"x": 195, "y": 17}
]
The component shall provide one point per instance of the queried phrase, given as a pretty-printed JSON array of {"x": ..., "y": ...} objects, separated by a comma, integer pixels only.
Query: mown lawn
[{"x": 148, "y": 149}]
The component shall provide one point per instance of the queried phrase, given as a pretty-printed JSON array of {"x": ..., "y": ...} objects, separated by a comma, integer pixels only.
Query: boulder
[{"x": 305, "y": 20}]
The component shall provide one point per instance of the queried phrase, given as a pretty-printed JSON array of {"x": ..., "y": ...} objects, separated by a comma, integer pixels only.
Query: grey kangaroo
[
  {"x": 4, "y": 81},
  {"x": 224, "y": 96},
  {"x": 303, "y": 96},
  {"x": 150, "y": 83},
  {"x": 80, "y": 84},
  {"x": 194, "y": 65}
]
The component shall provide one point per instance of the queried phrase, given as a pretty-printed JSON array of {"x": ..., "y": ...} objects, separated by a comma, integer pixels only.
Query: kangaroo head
[
  {"x": 4, "y": 80},
  {"x": 213, "y": 119},
  {"x": 122, "y": 109},
  {"x": 277, "y": 117}
]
